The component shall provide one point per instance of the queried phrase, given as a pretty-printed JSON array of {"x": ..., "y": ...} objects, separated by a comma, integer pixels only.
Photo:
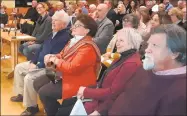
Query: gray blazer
[
  {"x": 104, "y": 34},
  {"x": 42, "y": 29}
]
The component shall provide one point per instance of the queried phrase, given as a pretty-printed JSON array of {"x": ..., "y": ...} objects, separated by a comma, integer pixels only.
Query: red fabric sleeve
[
  {"x": 84, "y": 57},
  {"x": 125, "y": 73}
]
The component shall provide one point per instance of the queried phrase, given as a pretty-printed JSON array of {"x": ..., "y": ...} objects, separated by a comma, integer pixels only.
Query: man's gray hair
[
  {"x": 175, "y": 39},
  {"x": 63, "y": 16}
]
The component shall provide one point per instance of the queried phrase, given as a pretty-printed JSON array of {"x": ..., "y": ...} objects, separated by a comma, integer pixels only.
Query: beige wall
[{"x": 9, "y": 3}]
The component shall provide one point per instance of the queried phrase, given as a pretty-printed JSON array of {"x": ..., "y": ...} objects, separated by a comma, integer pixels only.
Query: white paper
[{"x": 78, "y": 109}]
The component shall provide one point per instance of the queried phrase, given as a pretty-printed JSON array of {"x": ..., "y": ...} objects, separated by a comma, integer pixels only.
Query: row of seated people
[
  {"x": 79, "y": 62},
  {"x": 102, "y": 37}
]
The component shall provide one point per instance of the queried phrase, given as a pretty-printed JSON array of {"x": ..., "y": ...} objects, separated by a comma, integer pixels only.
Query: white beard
[{"x": 148, "y": 62}]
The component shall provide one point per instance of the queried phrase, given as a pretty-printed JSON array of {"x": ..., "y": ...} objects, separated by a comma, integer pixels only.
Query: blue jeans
[{"x": 29, "y": 50}]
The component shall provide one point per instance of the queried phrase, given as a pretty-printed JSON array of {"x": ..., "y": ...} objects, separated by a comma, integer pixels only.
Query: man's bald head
[
  {"x": 104, "y": 7},
  {"x": 102, "y": 11}
]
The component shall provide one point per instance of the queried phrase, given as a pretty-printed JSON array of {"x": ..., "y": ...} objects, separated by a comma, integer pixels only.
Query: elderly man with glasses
[{"x": 27, "y": 72}]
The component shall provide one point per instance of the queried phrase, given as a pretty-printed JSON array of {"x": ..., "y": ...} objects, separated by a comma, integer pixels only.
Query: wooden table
[{"x": 14, "y": 42}]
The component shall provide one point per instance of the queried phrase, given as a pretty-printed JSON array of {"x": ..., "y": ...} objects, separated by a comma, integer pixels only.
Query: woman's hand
[
  {"x": 54, "y": 59},
  {"x": 105, "y": 56},
  {"x": 81, "y": 92}
]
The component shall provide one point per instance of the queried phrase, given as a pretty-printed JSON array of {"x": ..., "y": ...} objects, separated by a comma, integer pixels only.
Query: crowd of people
[{"x": 130, "y": 59}]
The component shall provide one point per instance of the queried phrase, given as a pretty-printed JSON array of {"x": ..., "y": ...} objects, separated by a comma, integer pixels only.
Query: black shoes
[
  {"x": 18, "y": 98},
  {"x": 30, "y": 111}
]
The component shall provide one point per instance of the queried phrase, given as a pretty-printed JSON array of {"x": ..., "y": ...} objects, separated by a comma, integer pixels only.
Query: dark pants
[
  {"x": 27, "y": 28},
  {"x": 49, "y": 93},
  {"x": 66, "y": 107}
]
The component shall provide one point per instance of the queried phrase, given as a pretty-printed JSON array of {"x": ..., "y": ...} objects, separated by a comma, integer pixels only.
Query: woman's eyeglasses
[
  {"x": 39, "y": 8},
  {"x": 77, "y": 25}
]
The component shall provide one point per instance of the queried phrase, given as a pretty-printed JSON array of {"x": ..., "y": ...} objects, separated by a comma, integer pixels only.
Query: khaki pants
[{"x": 23, "y": 83}]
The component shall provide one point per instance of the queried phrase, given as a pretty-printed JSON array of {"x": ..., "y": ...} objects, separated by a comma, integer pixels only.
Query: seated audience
[
  {"x": 26, "y": 72},
  {"x": 161, "y": 8},
  {"x": 71, "y": 12},
  {"x": 141, "y": 2},
  {"x": 161, "y": 90},
  {"x": 105, "y": 28},
  {"x": 176, "y": 16},
  {"x": 144, "y": 18},
  {"x": 111, "y": 14},
  {"x": 82, "y": 5},
  {"x": 51, "y": 10},
  {"x": 79, "y": 63},
  {"x": 168, "y": 5},
  {"x": 3, "y": 16},
  {"x": 41, "y": 32},
  {"x": 180, "y": 4},
  {"x": 78, "y": 11},
  {"x": 59, "y": 6},
  {"x": 115, "y": 77},
  {"x": 130, "y": 21},
  {"x": 29, "y": 20},
  {"x": 127, "y": 5},
  {"x": 120, "y": 14},
  {"x": 156, "y": 20},
  {"x": 133, "y": 6},
  {"x": 92, "y": 10}
]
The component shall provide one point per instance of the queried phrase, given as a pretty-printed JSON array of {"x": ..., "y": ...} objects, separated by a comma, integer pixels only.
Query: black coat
[
  {"x": 3, "y": 18},
  {"x": 112, "y": 16}
]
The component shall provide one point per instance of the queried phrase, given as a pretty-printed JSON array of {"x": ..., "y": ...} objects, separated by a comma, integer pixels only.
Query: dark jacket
[
  {"x": 31, "y": 14},
  {"x": 51, "y": 46},
  {"x": 111, "y": 15},
  {"x": 3, "y": 18},
  {"x": 42, "y": 29},
  {"x": 147, "y": 94},
  {"x": 113, "y": 83},
  {"x": 183, "y": 25},
  {"x": 120, "y": 19}
]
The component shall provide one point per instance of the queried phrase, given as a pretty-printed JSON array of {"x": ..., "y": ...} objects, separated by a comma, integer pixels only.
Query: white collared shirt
[
  {"x": 74, "y": 40},
  {"x": 54, "y": 33}
]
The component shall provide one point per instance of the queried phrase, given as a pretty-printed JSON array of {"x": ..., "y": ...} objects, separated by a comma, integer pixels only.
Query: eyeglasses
[
  {"x": 77, "y": 25},
  {"x": 39, "y": 7}
]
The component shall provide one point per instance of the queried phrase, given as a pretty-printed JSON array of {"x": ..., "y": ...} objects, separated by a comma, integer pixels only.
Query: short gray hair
[
  {"x": 133, "y": 37},
  {"x": 63, "y": 16}
]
